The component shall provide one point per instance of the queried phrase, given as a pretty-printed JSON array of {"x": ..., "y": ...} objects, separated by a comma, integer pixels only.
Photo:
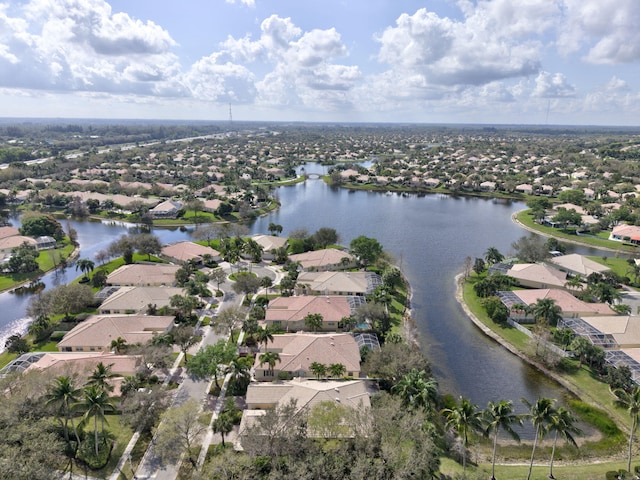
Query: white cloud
[
  {"x": 248, "y": 3},
  {"x": 549, "y": 85},
  {"x": 608, "y": 29}
]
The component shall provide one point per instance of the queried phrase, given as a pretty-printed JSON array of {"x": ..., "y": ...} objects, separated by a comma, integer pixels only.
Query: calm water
[{"x": 429, "y": 235}]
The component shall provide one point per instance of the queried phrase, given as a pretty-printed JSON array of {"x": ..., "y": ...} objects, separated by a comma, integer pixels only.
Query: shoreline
[{"x": 559, "y": 379}]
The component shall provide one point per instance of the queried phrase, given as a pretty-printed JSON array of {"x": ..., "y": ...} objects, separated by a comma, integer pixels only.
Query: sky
[{"x": 557, "y": 62}]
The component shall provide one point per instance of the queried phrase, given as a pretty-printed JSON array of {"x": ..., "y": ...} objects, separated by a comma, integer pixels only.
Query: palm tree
[
  {"x": 223, "y": 425},
  {"x": 337, "y": 369},
  {"x": 118, "y": 345},
  {"x": 540, "y": 414},
  {"x": 266, "y": 283},
  {"x": 416, "y": 390},
  {"x": 575, "y": 282},
  {"x": 64, "y": 393},
  {"x": 313, "y": 321},
  {"x": 546, "y": 312},
  {"x": 264, "y": 335},
  {"x": 318, "y": 369},
  {"x": 271, "y": 358},
  {"x": 463, "y": 418},
  {"x": 100, "y": 377},
  {"x": 496, "y": 416},
  {"x": 85, "y": 265},
  {"x": 493, "y": 255},
  {"x": 238, "y": 369},
  {"x": 561, "y": 423},
  {"x": 95, "y": 403},
  {"x": 631, "y": 402}
]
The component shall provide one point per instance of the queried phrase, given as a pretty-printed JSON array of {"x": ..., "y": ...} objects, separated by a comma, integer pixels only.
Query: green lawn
[{"x": 47, "y": 260}]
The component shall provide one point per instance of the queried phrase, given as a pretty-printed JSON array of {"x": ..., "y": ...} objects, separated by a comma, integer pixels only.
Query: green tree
[
  {"x": 85, "y": 265},
  {"x": 147, "y": 244},
  {"x": 274, "y": 229},
  {"x": 366, "y": 249},
  {"x": 119, "y": 345},
  {"x": 337, "y": 370},
  {"x": 223, "y": 424},
  {"x": 266, "y": 283},
  {"x": 318, "y": 369},
  {"x": 219, "y": 276},
  {"x": 463, "y": 418},
  {"x": 183, "y": 337},
  {"x": 547, "y": 312},
  {"x": 540, "y": 414},
  {"x": 254, "y": 250},
  {"x": 417, "y": 390},
  {"x": 325, "y": 236},
  {"x": 264, "y": 335},
  {"x": 500, "y": 416},
  {"x": 38, "y": 225},
  {"x": 210, "y": 360},
  {"x": 561, "y": 423},
  {"x": 95, "y": 403},
  {"x": 270, "y": 358},
  {"x": 493, "y": 255},
  {"x": 178, "y": 431},
  {"x": 630, "y": 401},
  {"x": 101, "y": 376},
  {"x": 64, "y": 394},
  {"x": 478, "y": 266},
  {"x": 16, "y": 344},
  {"x": 313, "y": 321},
  {"x": 228, "y": 320},
  {"x": 24, "y": 259}
]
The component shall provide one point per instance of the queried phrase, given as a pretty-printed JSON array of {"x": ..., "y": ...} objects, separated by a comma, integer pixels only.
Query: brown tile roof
[
  {"x": 321, "y": 258},
  {"x": 292, "y": 309},
  {"x": 185, "y": 251},
  {"x": 564, "y": 300},
  {"x": 138, "y": 298},
  {"x": 99, "y": 330},
  {"x": 8, "y": 232},
  {"x": 143, "y": 274},
  {"x": 536, "y": 272},
  {"x": 347, "y": 282}
]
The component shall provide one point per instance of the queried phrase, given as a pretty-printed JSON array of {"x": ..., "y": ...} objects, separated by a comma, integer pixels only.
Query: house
[
  {"x": 8, "y": 232},
  {"x": 270, "y": 242},
  {"x": 571, "y": 306},
  {"x": 7, "y": 244},
  {"x": 128, "y": 300},
  {"x": 488, "y": 186},
  {"x": 288, "y": 313},
  {"x": 337, "y": 283},
  {"x": 524, "y": 188},
  {"x": 325, "y": 259},
  {"x": 166, "y": 209},
  {"x": 625, "y": 233},
  {"x": 307, "y": 394},
  {"x": 576, "y": 264},
  {"x": 298, "y": 351},
  {"x": 623, "y": 329},
  {"x": 183, "y": 252},
  {"x": 96, "y": 332},
  {"x": 143, "y": 274},
  {"x": 536, "y": 275},
  {"x": 45, "y": 242}
]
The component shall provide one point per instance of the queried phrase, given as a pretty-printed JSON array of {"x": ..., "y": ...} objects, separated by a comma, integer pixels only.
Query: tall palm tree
[
  {"x": 496, "y": 416},
  {"x": 100, "y": 377},
  {"x": 336, "y": 370},
  {"x": 631, "y": 402},
  {"x": 463, "y": 418},
  {"x": 238, "y": 369},
  {"x": 562, "y": 423},
  {"x": 85, "y": 265},
  {"x": 493, "y": 255},
  {"x": 540, "y": 414},
  {"x": 546, "y": 312},
  {"x": 64, "y": 394},
  {"x": 118, "y": 345},
  {"x": 270, "y": 358},
  {"x": 95, "y": 403},
  {"x": 416, "y": 390},
  {"x": 264, "y": 335},
  {"x": 223, "y": 425}
]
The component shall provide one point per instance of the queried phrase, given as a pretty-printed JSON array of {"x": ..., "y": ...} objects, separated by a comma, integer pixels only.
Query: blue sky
[{"x": 438, "y": 61}]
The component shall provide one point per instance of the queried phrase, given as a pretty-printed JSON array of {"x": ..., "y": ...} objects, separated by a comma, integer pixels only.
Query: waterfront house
[
  {"x": 182, "y": 252},
  {"x": 337, "y": 283},
  {"x": 127, "y": 300},
  {"x": 325, "y": 259},
  {"x": 144, "y": 274},
  {"x": 571, "y": 306},
  {"x": 625, "y": 233},
  {"x": 166, "y": 209},
  {"x": 288, "y": 313},
  {"x": 96, "y": 332},
  {"x": 575, "y": 264},
  {"x": 298, "y": 351},
  {"x": 536, "y": 275}
]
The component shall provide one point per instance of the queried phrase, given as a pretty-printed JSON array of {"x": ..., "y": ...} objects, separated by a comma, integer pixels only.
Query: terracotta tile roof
[
  {"x": 138, "y": 298},
  {"x": 564, "y": 300},
  {"x": 321, "y": 258},
  {"x": 536, "y": 272},
  {"x": 143, "y": 274},
  {"x": 292, "y": 309},
  {"x": 578, "y": 264},
  {"x": 185, "y": 251},
  {"x": 99, "y": 330},
  {"x": 347, "y": 282}
]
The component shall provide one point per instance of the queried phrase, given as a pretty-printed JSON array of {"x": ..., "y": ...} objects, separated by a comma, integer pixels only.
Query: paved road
[{"x": 151, "y": 467}]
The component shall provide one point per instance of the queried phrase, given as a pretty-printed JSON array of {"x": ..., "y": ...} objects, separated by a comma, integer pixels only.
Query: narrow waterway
[{"x": 430, "y": 236}]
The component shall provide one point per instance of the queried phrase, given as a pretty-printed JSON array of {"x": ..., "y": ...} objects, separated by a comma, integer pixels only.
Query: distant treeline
[{"x": 9, "y": 155}]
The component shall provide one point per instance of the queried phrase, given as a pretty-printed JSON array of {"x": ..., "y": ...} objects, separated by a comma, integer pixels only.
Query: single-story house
[
  {"x": 166, "y": 209},
  {"x": 624, "y": 329},
  {"x": 337, "y": 283},
  {"x": 325, "y": 259},
  {"x": 8, "y": 232},
  {"x": 298, "y": 351},
  {"x": 127, "y": 300},
  {"x": 96, "y": 332},
  {"x": 536, "y": 275},
  {"x": 270, "y": 242},
  {"x": 183, "y": 252},
  {"x": 288, "y": 313},
  {"x": 7, "y": 244},
  {"x": 625, "y": 233},
  {"x": 571, "y": 306},
  {"x": 576, "y": 264},
  {"x": 307, "y": 394},
  {"x": 144, "y": 274}
]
